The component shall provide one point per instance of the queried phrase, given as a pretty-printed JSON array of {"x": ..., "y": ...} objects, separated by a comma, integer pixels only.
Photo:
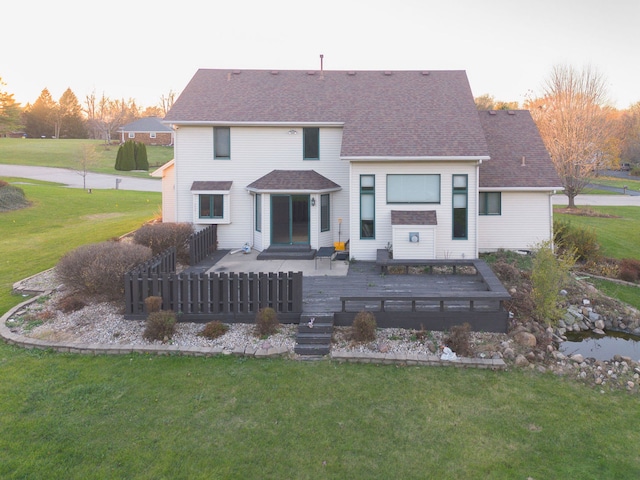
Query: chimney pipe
[{"x": 321, "y": 66}]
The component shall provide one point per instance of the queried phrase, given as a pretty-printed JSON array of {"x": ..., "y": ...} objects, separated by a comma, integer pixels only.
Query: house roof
[
  {"x": 294, "y": 180},
  {"x": 147, "y": 124},
  {"x": 211, "y": 186},
  {"x": 414, "y": 217},
  {"x": 512, "y": 136},
  {"x": 390, "y": 114}
]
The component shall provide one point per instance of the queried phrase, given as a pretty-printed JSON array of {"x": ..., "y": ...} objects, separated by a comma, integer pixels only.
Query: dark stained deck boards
[{"x": 322, "y": 294}]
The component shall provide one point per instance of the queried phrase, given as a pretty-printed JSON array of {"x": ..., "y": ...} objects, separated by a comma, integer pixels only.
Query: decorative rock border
[{"x": 351, "y": 357}]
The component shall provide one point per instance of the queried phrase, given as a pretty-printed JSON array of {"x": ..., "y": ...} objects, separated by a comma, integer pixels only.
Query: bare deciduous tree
[
  {"x": 574, "y": 123},
  {"x": 86, "y": 158},
  {"x": 166, "y": 102}
]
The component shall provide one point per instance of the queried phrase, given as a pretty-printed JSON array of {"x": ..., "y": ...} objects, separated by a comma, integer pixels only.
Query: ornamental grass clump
[
  {"x": 160, "y": 326},
  {"x": 266, "y": 322},
  {"x": 70, "y": 303},
  {"x": 153, "y": 304},
  {"x": 364, "y": 327},
  {"x": 214, "y": 330}
]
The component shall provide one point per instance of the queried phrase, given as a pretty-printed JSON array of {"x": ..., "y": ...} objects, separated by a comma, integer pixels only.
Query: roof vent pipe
[
  {"x": 524, "y": 164},
  {"x": 321, "y": 65}
]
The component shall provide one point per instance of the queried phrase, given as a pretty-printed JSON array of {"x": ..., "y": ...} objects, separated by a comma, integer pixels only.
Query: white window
[
  {"x": 152, "y": 135},
  {"x": 132, "y": 134}
]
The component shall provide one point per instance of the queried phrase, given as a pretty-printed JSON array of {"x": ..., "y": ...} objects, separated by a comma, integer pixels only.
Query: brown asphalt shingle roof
[
  {"x": 411, "y": 217},
  {"x": 308, "y": 180},
  {"x": 211, "y": 185},
  {"x": 510, "y": 136},
  {"x": 385, "y": 114}
]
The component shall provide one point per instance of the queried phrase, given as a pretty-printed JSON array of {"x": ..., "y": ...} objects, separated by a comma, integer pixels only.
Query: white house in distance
[{"x": 375, "y": 158}]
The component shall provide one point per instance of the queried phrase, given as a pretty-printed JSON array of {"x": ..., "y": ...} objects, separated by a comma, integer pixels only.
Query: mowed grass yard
[
  {"x": 64, "y": 153},
  {"x": 65, "y": 416}
]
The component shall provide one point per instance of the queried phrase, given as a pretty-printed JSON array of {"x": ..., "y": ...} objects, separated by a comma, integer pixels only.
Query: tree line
[{"x": 98, "y": 117}]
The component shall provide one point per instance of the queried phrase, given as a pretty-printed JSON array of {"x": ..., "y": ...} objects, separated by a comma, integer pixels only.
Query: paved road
[
  {"x": 74, "y": 179},
  {"x": 599, "y": 200}
]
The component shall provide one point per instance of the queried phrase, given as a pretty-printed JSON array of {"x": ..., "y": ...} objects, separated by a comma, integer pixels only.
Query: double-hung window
[
  {"x": 367, "y": 206},
  {"x": 211, "y": 206},
  {"x": 311, "y": 141},
  {"x": 460, "y": 206},
  {"x": 221, "y": 143},
  {"x": 490, "y": 203}
]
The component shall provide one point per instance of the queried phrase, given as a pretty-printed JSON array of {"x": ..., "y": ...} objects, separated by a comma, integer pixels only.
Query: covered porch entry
[{"x": 291, "y": 207}]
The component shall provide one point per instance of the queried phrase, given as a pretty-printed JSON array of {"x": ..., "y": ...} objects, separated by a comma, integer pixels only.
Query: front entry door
[{"x": 289, "y": 219}]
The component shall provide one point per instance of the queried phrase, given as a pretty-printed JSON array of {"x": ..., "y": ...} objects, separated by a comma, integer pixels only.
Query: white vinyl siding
[
  {"x": 446, "y": 247},
  {"x": 525, "y": 220},
  {"x": 256, "y": 152}
]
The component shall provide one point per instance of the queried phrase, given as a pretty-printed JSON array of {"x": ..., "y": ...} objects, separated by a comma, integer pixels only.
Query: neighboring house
[
  {"x": 149, "y": 130},
  {"x": 380, "y": 159}
]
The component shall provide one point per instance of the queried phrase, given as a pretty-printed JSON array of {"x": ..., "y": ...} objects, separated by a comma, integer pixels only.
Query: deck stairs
[
  {"x": 314, "y": 334},
  {"x": 288, "y": 252}
]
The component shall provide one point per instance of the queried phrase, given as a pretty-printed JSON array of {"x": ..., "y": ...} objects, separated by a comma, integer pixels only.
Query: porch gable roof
[{"x": 293, "y": 180}]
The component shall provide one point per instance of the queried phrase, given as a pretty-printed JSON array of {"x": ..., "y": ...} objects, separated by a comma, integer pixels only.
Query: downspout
[
  {"x": 551, "y": 194},
  {"x": 477, "y": 195}
]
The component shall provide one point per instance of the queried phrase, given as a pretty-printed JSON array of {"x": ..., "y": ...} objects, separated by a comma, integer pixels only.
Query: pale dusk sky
[{"x": 143, "y": 49}]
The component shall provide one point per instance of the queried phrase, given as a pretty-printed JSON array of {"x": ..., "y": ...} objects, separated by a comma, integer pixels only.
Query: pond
[{"x": 602, "y": 347}]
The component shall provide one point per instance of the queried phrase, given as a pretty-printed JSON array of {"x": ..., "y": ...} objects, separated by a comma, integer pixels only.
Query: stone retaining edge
[{"x": 351, "y": 357}]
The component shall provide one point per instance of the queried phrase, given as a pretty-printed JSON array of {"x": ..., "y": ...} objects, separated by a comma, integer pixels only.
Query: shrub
[
  {"x": 458, "y": 340},
  {"x": 547, "y": 277},
  {"x": 98, "y": 268},
  {"x": 70, "y": 303},
  {"x": 505, "y": 271},
  {"x": 160, "y": 236},
  {"x": 364, "y": 327},
  {"x": 214, "y": 329},
  {"x": 153, "y": 304},
  {"x": 3, "y": 183},
  {"x": 630, "y": 269},
  {"x": 160, "y": 326},
  {"x": 12, "y": 198},
  {"x": 266, "y": 322},
  {"x": 583, "y": 242}
]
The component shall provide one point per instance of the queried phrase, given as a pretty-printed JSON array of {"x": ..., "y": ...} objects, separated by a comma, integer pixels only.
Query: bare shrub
[
  {"x": 160, "y": 236},
  {"x": 214, "y": 329},
  {"x": 458, "y": 340},
  {"x": 629, "y": 269},
  {"x": 160, "y": 326},
  {"x": 98, "y": 268},
  {"x": 266, "y": 322},
  {"x": 70, "y": 303},
  {"x": 153, "y": 304},
  {"x": 505, "y": 271},
  {"x": 364, "y": 327}
]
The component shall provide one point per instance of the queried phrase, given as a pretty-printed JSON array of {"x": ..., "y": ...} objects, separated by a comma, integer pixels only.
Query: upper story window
[
  {"x": 221, "y": 143},
  {"x": 490, "y": 203},
  {"x": 311, "y": 140},
  {"x": 413, "y": 188}
]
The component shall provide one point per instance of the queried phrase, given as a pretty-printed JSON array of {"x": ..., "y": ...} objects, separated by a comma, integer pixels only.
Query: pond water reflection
[{"x": 602, "y": 347}]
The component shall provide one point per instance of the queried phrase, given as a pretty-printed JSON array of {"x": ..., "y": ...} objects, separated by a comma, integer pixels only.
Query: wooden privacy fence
[
  {"x": 164, "y": 262},
  {"x": 229, "y": 297},
  {"x": 202, "y": 244}
]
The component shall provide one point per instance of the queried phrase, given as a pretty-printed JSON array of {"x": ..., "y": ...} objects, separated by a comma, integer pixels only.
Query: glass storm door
[{"x": 289, "y": 219}]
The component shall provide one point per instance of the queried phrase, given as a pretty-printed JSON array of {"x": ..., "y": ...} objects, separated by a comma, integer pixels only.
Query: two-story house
[{"x": 375, "y": 158}]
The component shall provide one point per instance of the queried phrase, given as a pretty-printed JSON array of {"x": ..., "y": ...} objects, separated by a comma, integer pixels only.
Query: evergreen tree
[
  {"x": 9, "y": 112},
  {"x": 72, "y": 122},
  {"x": 128, "y": 156},
  {"x": 119, "y": 157},
  {"x": 40, "y": 117},
  {"x": 142, "y": 163}
]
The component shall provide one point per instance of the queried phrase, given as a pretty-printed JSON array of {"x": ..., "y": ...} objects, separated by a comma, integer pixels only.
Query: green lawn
[
  {"x": 67, "y": 153},
  {"x": 67, "y": 416},
  {"x": 60, "y": 219},
  {"x": 618, "y": 237},
  {"x": 626, "y": 293},
  {"x": 147, "y": 417},
  {"x": 618, "y": 182}
]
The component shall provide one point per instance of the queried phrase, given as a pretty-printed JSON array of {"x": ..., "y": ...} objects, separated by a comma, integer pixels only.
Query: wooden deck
[{"x": 434, "y": 301}]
